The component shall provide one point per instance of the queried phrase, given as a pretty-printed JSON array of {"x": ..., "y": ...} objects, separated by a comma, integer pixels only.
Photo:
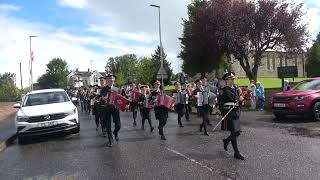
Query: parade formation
[{"x": 106, "y": 101}]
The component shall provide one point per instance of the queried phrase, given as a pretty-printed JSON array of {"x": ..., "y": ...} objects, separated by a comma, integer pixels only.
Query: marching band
[{"x": 106, "y": 102}]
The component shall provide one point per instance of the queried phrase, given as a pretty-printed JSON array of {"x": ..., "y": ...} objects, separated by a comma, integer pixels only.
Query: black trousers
[
  {"x": 145, "y": 115},
  {"x": 97, "y": 113},
  {"x": 110, "y": 113},
  {"x": 180, "y": 110},
  {"x": 162, "y": 116},
  {"x": 188, "y": 110},
  {"x": 205, "y": 113},
  {"x": 233, "y": 138},
  {"x": 133, "y": 109}
]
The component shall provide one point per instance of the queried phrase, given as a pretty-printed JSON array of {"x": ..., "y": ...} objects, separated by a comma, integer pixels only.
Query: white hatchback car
[{"x": 44, "y": 112}]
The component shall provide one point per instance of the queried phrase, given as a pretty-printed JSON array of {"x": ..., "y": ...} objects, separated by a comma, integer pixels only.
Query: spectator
[
  {"x": 253, "y": 95},
  {"x": 260, "y": 96},
  {"x": 286, "y": 86}
]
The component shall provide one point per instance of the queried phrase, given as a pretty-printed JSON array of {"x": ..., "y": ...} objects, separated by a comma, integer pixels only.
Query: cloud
[
  {"x": 6, "y": 8},
  {"x": 79, "y": 4}
]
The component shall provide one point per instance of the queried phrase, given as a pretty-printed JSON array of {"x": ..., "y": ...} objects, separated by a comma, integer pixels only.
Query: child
[{"x": 145, "y": 108}]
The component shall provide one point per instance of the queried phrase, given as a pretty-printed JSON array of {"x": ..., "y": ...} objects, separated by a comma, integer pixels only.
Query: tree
[
  {"x": 245, "y": 30},
  {"x": 56, "y": 74},
  {"x": 146, "y": 70},
  {"x": 198, "y": 53},
  {"x": 7, "y": 78},
  {"x": 8, "y": 90},
  {"x": 313, "y": 59},
  {"x": 156, "y": 61},
  {"x": 125, "y": 64}
]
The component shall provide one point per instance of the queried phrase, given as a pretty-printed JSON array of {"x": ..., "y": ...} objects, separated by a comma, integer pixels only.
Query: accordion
[
  {"x": 206, "y": 98},
  {"x": 135, "y": 96},
  {"x": 146, "y": 103},
  {"x": 180, "y": 97},
  {"x": 166, "y": 101},
  {"x": 119, "y": 101}
]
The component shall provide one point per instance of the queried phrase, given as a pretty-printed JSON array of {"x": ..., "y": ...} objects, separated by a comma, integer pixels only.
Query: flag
[
  {"x": 32, "y": 56},
  {"x": 121, "y": 102}
]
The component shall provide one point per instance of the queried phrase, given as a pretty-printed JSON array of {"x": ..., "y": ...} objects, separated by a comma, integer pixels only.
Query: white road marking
[{"x": 190, "y": 159}]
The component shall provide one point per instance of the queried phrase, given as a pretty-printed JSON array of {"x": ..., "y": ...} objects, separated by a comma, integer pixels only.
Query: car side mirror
[
  {"x": 17, "y": 105},
  {"x": 74, "y": 99}
]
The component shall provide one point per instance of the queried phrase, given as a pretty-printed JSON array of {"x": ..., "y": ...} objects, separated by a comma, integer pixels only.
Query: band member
[
  {"x": 200, "y": 96},
  {"x": 145, "y": 108},
  {"x": 133, "y": 104},
  {"x": 110, "y": 111},
  {"x": 181, "y": 98},
  {"x": 96, "y": 104},
  {"x": 188, "y": 105},
  {"x": 232, "y": 97},
  {"x": 161, "y": 112}
]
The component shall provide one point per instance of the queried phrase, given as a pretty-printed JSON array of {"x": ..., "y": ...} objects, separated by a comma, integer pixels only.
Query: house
[{"x": 84, "y": 78}]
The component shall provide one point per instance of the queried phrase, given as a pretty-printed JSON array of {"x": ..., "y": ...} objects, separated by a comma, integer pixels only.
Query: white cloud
[
  {"x": 79, "y": 4},
  {"x": 6, "y": 8}
]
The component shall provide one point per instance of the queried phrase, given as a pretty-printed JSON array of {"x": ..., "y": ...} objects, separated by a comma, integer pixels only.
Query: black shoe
[
  {"x": 180, "y": 124},
  {"x": 104, "y": 135},
  {"x": 163, "y": 137},
  {"x": 238, "y": 156},
  {"x": 109, "y": 144},
  {"x": 116, "y": 137},
  {"x": 152, "y": 128},
  {"x": 134, "y": 124},
  {"x": 206, "y": 134},
  {"x": 225, "y": 144}
]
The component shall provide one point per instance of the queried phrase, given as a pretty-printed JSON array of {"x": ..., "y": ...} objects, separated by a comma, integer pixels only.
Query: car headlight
[
  {"x": 22, "y": 118},
  {"x": 299, "y": 98},
  {"x": 72, "y": 112}
]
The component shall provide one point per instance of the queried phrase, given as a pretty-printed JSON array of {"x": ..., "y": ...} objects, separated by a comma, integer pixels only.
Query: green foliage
[
  {"x": 125, "y": 64},
  {"x": 156, "y": 59},
  {"x": 313, "y": 59},
  {"x": 145, "y": 70},
  {"x": 8, "y": 90},
  {"x": 56, "y": 75},
  {"x": 121, "y": 79}
]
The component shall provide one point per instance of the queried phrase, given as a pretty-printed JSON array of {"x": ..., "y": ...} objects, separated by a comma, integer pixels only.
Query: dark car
[{"x": 302, "y": 99}]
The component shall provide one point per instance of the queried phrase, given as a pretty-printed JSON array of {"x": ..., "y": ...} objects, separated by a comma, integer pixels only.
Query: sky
[{"x": 83, "y": 30}]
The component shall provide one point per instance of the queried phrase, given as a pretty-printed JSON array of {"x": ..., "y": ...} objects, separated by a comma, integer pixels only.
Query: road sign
[{"x": 161, "y": 72}]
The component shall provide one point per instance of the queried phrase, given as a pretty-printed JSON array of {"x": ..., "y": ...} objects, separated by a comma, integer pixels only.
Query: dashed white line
[{"x": 190, "y": 159}]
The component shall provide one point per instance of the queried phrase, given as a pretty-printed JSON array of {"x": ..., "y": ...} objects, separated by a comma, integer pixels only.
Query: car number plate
[
  {"x": 279, "y": 105},
  {"x": 47, "y": 124}
]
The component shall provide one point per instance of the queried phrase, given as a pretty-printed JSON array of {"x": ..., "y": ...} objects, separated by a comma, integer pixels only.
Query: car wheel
[
  {"x": 279, "y": 117},
  {"x": 316, "y": 111}
]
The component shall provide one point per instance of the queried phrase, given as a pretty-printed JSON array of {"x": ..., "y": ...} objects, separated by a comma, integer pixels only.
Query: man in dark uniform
[
  {"x": 161, "y": 112},
  {"x": 181, "y": 98},
  {"x": 204, "y": 109},
  {"x": 232, "y": 97},
  {"x": 188, "y": 105},
  {"x": 96, "y": 106},
  {"x": 110, "y": 111}
]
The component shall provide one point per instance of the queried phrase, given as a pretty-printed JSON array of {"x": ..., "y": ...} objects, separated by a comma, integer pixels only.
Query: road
[{"x": 272, "y": 151}]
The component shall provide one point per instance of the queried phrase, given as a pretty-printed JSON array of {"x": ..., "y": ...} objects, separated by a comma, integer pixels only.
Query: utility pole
[
  {"x": 31, "y": 59},
  {"x": 21, "y": 76},
  {"x": 91, "y": 64}
]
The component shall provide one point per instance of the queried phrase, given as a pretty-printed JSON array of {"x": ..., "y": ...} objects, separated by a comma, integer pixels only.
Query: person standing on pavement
[
  {"x": 232, "y": 97},
  {"x": 181, "y": 98},
  {"x": 253, "y": 95},
  {"x": 260, "y": 96},
  {"x": 110, "y": 111},
  {"x": 145, "y": 108},
  {"x": 287, "y": 86},
  {"x": 204, "y": 109},
  {"x": 161, "y": 112}
]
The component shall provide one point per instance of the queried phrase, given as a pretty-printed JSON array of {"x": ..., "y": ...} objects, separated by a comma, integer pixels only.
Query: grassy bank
[{"x": 266, "y": 82}]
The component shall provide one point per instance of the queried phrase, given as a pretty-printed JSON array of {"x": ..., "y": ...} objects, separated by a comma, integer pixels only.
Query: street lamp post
[
  {"x": 161, "y": 53},
  {"x": 31, "y": 77}
]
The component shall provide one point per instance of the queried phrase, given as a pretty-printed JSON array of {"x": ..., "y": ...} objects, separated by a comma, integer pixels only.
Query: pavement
[{"x": 273, "y": 150}]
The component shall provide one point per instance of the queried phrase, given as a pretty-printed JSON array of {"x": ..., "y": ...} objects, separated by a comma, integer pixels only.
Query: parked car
[
  {"x": 44, "y": 112},
  {"x": 302, "y": 99}
]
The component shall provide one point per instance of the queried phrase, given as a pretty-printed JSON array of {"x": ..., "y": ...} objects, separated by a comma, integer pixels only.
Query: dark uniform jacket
[{"x": 232, "y": 95}]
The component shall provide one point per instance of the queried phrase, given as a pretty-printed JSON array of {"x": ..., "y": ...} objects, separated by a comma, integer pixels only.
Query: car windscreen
[
  {"x": 307, "y": 85},
  {"x": 45, "y": 98}
]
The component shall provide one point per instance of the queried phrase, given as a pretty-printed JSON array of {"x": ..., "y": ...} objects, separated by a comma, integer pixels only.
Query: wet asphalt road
[{"x": 272, "y": 151}]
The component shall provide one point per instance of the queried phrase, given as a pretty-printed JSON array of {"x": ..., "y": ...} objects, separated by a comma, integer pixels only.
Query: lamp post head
[
  {"x": 33, "y": 36},
  {"x": 155, "y": 6}
]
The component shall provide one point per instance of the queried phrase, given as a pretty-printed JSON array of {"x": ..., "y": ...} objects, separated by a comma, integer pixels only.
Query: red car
[{"x": 302, "y": 99}]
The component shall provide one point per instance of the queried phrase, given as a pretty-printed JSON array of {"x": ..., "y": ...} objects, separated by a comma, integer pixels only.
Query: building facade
[{"x": 84, "y": 78}]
